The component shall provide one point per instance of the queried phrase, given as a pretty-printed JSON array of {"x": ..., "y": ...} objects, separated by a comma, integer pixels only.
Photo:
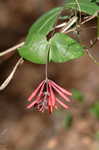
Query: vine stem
[
  {"x": 77, "y": 2},
  {"x": 71, "y": 22},
  {"x": 78, "y": 5},
  {"x": 64, "y": 29},
  {"x": 11, "y": 49},
  {"x": 9, "y": 78},
  {"x": 46, "y": 71},
  {"x": 98, "y": 25},
  {"x": 92, "y": 57}
]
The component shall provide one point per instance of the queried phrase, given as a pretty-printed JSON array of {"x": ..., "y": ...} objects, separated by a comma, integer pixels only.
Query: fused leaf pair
[{"x": 59, "y": 48}]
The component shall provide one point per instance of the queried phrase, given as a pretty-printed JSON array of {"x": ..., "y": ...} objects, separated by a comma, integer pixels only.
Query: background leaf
[
  {"x": 36, "y": 50},
  {"x": 68, "y": 120},
  {"x": 45, "y": 23},
  {"x": 96, "y": 136},
  {"x": 63, "y": 48},
  {"x": 85, "y": 5},
  {"x": 95, "y": 110},
  {"x": 77, "y": 95}
]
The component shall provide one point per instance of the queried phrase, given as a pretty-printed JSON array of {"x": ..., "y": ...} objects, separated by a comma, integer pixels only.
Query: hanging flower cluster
[{"x": 44, "y": 97}]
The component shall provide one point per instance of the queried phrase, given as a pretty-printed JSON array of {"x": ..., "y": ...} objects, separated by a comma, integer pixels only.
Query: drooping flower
[{"x": 45, "y": 97}]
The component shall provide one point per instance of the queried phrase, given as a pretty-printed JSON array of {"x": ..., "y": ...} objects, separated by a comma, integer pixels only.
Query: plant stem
[
  {"x": 46, "y": 67},
  {"x": 69, "y": 24},
  {"x": 9, "y": 78},
  {"x": 11, "y": 49},
  {"x": 97, "y": 25},
  {"x": 92, "y": 57},
  {"x": 78, "y": 5},
  {"x": 46, "y": 71}
]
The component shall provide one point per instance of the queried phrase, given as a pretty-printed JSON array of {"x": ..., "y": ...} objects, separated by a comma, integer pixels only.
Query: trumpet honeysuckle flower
[{"x": 45, "y": 97}]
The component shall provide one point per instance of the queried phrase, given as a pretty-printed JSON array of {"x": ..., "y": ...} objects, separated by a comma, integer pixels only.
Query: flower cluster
[{"x": 44, "y": 97}]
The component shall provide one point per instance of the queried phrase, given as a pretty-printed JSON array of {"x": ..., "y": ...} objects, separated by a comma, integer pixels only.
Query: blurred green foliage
[
  {"x": 97, "y": 136},
  {"x": 68, "y": 120},
  {"x": 94, "y": 110},
  {"x": 77, "y": 95}
]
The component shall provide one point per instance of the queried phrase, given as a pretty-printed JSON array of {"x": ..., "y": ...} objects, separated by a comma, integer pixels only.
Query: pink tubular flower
[{"x": 44, "y": 96}]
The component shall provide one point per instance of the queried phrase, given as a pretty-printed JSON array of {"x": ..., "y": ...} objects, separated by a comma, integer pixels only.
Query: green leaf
[
  {"x": 77, "y": 95},
  {"x": 96, "y": 136},
  {"x": 45, "y": 23},
  {"x": 85, "y": 6},
  {"x": 36, "y": 50},
  {"x": 68, "y": 120},
  {"x": 94, "y": 1},
  {"x": 63, "y": 48},
  {"x": 60, "y": 48},
  {"x": 95, "y": 110}
]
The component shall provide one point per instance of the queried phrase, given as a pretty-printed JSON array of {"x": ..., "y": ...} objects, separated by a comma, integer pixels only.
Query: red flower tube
[{"x": 44, "y": 97}]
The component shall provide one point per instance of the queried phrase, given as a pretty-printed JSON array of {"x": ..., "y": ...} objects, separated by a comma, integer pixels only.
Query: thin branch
[
  {"x": 9, "y": 78},
  {"x": 78, "y": 5},
  {"x": 12, "y": 49},
  {"x": 69, "y": 24},
  {"x": 92, "y": 57},
  {"x": 61, "y": 25},
  {"x": 78, "y": 8},
  {"x": 98, "y": 25},
  {"x": 89, "y": 18}
]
